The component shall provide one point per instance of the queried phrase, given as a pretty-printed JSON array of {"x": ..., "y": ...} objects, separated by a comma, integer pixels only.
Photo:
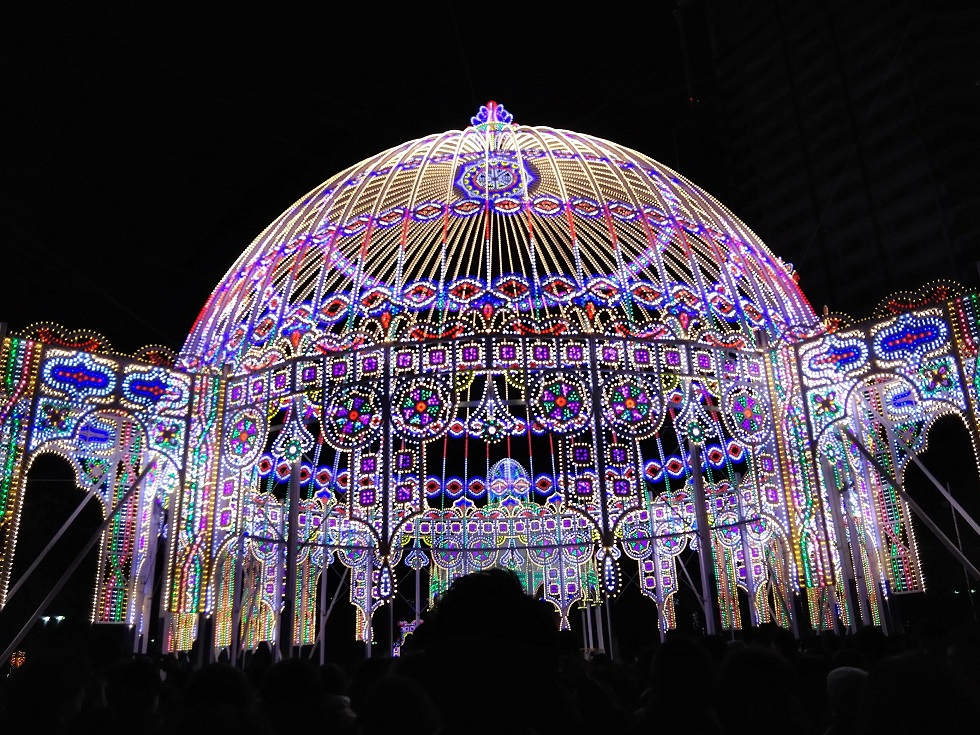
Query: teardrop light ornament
[
  {"x": 416, "y": 559},
  {"x": 386, "y": 582},
  {"x": 610, "y": 571}
]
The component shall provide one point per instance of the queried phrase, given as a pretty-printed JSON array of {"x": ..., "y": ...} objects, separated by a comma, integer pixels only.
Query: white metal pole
[
  {"x": 959, "y": 544},
  {"x": 705, "y": 555},
  {"x": 74, "y": 565}
]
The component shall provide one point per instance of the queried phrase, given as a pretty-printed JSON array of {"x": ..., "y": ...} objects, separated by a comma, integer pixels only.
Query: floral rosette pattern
[
  {"x": 421, "y": 409},
  {"x": 632, "y": 405},
  {"x": 352, "y": 417},
  {"x": 561, "y": 402},
  {"x": 245, "y": 438},
  {"x": 747, "y": 415}
]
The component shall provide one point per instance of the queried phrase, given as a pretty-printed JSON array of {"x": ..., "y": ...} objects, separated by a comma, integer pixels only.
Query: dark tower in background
[{"x": 845, "y": 134}]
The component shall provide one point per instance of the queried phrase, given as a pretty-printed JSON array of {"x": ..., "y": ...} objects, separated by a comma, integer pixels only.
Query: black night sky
[
  {"x": 145, "y": 145},
  {"x": 147, "y": 148}
]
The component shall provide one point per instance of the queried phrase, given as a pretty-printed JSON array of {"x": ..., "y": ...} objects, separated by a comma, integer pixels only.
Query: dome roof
[{"x": 543, "y": 222}]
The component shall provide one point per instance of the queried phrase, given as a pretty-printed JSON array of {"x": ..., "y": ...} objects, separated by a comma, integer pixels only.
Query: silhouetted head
[
  {"x": 486, "y": 628},
  {"x": 415, "y": 713},
  {"x": 218, "y": 683},
  {"x": 488, "y": 609},
  {"x": 334, "y": 678},
  {"x": 845, "y": 690},
  {"x": 132, "y": 686},
  {"x": 767, "y": 669}
]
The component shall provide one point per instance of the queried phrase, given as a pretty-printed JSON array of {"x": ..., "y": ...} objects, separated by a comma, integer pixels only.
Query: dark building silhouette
[{"x": 843, "y": 133}]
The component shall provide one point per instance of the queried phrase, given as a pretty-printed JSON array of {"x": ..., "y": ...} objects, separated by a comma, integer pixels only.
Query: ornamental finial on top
[{"x": 493, "y": 115}]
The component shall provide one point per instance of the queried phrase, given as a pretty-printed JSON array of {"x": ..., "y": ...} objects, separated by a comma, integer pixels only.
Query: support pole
[
  {"x": 322, "y": 639},
  {"x": 392, "y": 640},
  {"x": 959, "y": 544},
  {"x": 145, "y": 581},
  {"x": 202, "y": 638},
  {"x": 44, "y": 552},
  {"x": 76, "y": 562},
  {"x": 743, "y": 535},
  {"x": 612, "y": 639},
  {"x": 885, "y": 475},
  {"x": 661, "y": 598},
  {"x": 860, "y": 581},
  {"x": 705, "y": 555},
  {"x": 784, "y": 593},
  {"x": 255, "y": 592},
  {"x": 597, "y": 611},
  {"x": 418, "y": 594},
  {"x": 876, "y": 587},
  {"x": 893, "y": 442},
  {"x": 292, "y": 549},
  {"x": 369, "y": 605},
  {"x": 844, "y": 544},
  {"x": 236, "y": 606}
]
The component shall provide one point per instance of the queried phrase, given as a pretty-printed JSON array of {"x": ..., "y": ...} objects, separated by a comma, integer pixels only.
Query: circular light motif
[
  {"x": 577, "y": 548},
  {"x": 728, "y": 532},
  {"x": 245, "y": 437},
  {"x": 293, "y": 450},
  {"x": 497, "y": 175},
  {"x": 421, "y": 409},
  {"x": 695, "y": 431},
  {"x": 631, "y": 405},
  {"x": 492, "y": 430},
  {"x": 447, "y": 554},
  {"x": 352, "y": 418},
  {"x": 167, "y": 434},
  {"x": 747, "y": 415},
  {"x": 482, "y": 552},
  {"x": 543, "y": 549},
  {"x": 561, "y": 402},
  {"x": 832, "y": 452},
  {"x": 760, "y": 531}
]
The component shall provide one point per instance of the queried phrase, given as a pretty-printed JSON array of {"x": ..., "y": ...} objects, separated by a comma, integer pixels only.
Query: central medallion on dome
[{"x": 497, "y": 174}]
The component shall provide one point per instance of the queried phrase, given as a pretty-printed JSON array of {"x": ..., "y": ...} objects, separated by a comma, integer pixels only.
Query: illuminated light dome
[
  {"x": 511, "y": 347},
  {"x": 560, "y": 230}
]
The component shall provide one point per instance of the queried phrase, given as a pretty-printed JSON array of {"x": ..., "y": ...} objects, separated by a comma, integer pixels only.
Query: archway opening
[
  {"x": 948, "y": 600},
  {"x": 50, "y": 498}
]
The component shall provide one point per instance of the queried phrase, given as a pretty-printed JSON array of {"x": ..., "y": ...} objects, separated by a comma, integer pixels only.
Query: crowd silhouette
[{"x": 490, "y": 658}]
